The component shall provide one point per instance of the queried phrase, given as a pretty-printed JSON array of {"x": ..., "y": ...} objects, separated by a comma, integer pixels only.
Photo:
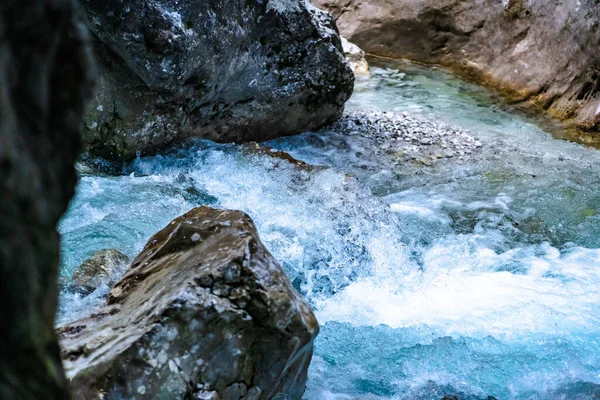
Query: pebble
[{"x": 409, "y": 136}]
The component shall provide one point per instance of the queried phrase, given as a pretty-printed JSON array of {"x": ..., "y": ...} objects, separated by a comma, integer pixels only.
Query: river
[{"x": 474, "y": 276}]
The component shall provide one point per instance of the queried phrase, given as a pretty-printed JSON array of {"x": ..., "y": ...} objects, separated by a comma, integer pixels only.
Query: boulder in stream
[
  {"x": 98, "y": 269},
  {"x": 225, "y": 71},
  {"x": 203, "y": 312}
]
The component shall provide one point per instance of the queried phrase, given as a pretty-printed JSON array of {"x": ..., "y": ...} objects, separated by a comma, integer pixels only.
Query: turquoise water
[{"x": 476, "y": 277}]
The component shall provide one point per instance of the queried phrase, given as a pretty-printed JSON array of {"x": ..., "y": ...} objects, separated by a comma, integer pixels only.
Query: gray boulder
[
  {"x": 231, "y": 70},
  {"x": 203, "y": 312},
  {"x": 536, "y": 51},
  {"x": 99, "y": 269}
]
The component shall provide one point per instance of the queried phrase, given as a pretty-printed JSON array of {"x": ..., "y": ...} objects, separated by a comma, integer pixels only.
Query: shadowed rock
[
  {"x": 204, "y": 311},
  {"x": 226, "y": 71},
  {"x": 43, "y": 83}
]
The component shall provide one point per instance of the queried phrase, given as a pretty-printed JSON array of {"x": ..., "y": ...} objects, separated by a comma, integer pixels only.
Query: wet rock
[
  {"x": 254, "y": 148},
  {"x": 203, "y": 312},
  {"x": 226, "y": 71},
  {"x": 99, "y": 269},
  {"x": 356, "y": 58},
  {"x": 530, "y": 50},
  {"x": 44, "y": 64}
]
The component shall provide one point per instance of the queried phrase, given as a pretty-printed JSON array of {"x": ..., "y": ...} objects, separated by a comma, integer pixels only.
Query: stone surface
[
  {"x": 44, "y": 80},
  {"x": 203, "y": 312},
  {"x": 99, "y": 269},
  {"x": 356, "y": 58},
  {"x": 530, "y": 50},
  {"x": 225, "y": 71}
]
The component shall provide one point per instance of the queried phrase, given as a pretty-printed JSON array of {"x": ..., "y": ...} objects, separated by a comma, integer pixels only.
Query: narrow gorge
[{"x": 265, "y": 209}]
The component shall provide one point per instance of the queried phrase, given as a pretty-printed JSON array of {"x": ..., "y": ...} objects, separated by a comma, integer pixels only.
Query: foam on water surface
[{"x": 471, "y": 278}]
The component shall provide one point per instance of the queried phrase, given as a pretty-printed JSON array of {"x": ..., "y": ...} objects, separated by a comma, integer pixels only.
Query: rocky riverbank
[
  {"x": 408, "y": 137},
  {"x": 531, "y": 51}
]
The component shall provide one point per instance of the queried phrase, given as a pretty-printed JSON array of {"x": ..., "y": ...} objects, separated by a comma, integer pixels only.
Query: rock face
[
  {"x": 531, "y": 50},
  {"x": 97, "y": 270},
  {"x": 43, "y": 83},
  {"x": 204, "y": 312},
  {"x": 227, "y": 71}
]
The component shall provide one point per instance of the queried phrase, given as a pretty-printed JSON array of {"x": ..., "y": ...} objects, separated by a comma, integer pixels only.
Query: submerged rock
[
  {"x": 44, "y": 80},
  {"x": 203, "y": 312},
  {"x": 99, "y": 269},
  {"x": 531, "y": 50},
  {"x": 226, "y": 71}
]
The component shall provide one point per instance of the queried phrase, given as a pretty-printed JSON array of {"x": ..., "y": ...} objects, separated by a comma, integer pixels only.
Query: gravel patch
[{"x": 409, "y": 137}]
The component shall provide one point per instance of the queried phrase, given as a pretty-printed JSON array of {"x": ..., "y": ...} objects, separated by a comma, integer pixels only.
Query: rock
[
  {"x": 101, "y": 268},
  {"x": 356, "y": 58},
  {"x": 44, "y": 63},
  {"x": 226, "y": 71},
  {"x": 203, "y": 312},
  {"x": 408, "y": 137},
  {"x": 535, "y": 51},
  {"x": 256, "y": 149}
]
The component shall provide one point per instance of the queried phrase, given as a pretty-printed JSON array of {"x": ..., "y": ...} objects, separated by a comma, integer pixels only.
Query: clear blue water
[{"x": 477, "y": 277}]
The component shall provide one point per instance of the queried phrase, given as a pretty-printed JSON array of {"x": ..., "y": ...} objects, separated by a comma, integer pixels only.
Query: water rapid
[{"x": 475, "y": 276}]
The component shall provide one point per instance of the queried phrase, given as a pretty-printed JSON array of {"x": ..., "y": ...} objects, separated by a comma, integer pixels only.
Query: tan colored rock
[
  {"x": 204, "y": 312},
  {"x": 542, "y": 52}
]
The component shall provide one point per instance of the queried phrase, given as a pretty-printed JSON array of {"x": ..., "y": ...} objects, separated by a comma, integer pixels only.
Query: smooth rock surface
[
  {"x": 530, "y": 50},
  {"x": 98, "y": 269},
  {"x": 226, "y": 71},
  {"x": 44, "y": 80},
  {"x": 203, "y": 312}
]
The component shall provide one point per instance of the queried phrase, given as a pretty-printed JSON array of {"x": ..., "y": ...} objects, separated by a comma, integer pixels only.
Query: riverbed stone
[
  {"x": 226, "y": 71},
  {"x": 204, "y": 312},
  {"x": 409, "y": 137},
  {"x": 44, "y": 80},
  {"x": 99, "y": 269},
  {"x": 532, "y": 51}
]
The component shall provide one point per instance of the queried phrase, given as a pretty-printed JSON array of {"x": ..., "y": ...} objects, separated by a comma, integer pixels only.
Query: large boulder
[
  {"x": 204, "y": 312},
  {"x": 232, "y": 70},
  {"x": 533, "y": 50},
  {"x": 44, "y": 80}
]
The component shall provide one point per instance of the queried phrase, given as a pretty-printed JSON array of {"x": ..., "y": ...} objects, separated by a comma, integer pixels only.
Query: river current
[{"x": 472, "y": 277}]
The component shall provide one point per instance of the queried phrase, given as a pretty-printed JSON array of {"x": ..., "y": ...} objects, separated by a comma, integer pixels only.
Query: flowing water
[{"x": 472, "y": 277}]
